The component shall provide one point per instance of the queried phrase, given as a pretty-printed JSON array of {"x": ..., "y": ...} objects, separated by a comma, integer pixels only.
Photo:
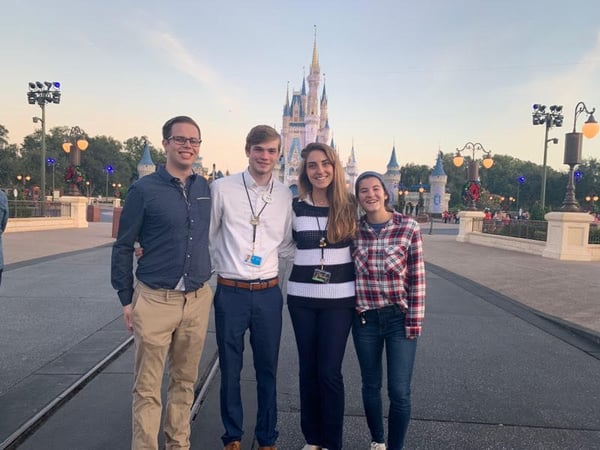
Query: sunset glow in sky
[{"x": 423, "y": 75}]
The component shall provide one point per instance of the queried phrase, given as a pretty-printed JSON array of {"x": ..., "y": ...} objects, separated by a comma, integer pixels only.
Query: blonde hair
[{"x": 341, "y": 221}]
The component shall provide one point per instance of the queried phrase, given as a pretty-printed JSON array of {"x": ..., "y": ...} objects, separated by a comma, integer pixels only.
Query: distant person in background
[
  {"x": 167, "y": 310},
  {"x": 3, "y": 222},
  {"x": 390, "y": 304}
]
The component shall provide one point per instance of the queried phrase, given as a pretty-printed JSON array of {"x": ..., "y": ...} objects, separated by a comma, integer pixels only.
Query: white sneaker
[{"x": 376, "y": 446}]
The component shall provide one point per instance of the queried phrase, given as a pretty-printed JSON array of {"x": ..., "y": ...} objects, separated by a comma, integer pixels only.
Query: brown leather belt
[{"x": 257, "y": 285}]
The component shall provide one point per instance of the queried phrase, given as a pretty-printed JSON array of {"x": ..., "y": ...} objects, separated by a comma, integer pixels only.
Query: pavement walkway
[
  {"x": 458, "y": 399},
  {"x": 563, "y": 290}
]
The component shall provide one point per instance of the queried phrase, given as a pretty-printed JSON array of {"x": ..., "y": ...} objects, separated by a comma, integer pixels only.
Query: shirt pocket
[
  {"x": 201, "y": 209},
  {"x": 361, "y": 261},
  {"x": 395, "y": 259}
]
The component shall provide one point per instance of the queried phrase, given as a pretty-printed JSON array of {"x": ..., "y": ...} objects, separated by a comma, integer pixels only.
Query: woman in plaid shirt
[{"x": 390, "y": 301}]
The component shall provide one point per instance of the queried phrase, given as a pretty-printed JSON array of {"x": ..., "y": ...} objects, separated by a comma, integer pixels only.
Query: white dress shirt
[{"x": 231, "y": 231}]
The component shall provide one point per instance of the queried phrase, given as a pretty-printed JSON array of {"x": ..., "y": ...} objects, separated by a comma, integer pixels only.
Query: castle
[
  {"x": 306, "y": 120},
  {"x": 432, "y": 198}
]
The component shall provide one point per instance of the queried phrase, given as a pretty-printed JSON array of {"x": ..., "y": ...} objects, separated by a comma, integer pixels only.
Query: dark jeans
[
  {"x": 385, "y": 327},
  {"x": 321, "y": 336},
  {"x": 238, "y": 310}
]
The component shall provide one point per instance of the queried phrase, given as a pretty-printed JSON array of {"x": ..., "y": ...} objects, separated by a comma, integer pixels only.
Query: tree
[
  {"x": 134, "y": 147},
  {"x": 501, "y": 180},
  {"x": 10, "y": 165},
  {"x": 103, "y": 151}
]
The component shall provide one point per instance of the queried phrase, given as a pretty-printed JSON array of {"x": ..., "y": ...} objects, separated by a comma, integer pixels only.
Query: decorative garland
[
  {"x": 471, "y": 191},
  {"x": 74, "y": 175}
]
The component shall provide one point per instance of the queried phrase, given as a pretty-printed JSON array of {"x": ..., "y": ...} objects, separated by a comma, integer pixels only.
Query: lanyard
[
  {"x": 322, "y": 241},
  {"x": 255, "y": 218}
]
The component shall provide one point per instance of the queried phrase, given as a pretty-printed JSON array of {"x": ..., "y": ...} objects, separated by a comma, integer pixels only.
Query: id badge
[
  {"x": 253, "y": 260},
  {"x": 321, "y": 276}
]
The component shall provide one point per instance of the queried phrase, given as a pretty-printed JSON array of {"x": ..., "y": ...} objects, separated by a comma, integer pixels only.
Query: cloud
[
  {"x": 181, "y": 58},
  {"x": 185, "y": 60}
]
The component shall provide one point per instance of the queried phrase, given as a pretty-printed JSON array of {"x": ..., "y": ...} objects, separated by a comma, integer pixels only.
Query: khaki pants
[{"x": 173, "y": 323}]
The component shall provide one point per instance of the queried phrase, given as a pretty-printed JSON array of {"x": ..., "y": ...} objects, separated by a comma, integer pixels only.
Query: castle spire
[
  {"x": 315, "y": 56},
  {"x": 324, "y": 94},
  {"x": 393, "y": 164},
  {"x": 286, "y": 107},
  {"x": 438, "y": 169}
]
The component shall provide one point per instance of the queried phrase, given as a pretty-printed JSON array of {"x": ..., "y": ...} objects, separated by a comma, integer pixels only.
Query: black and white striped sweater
[{"x": 302, "y": 290}]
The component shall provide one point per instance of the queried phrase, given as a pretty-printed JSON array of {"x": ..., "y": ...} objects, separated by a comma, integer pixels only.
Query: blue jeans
[
  {"x": 238, "y": 310},
  {"x": 321, "y": 336},
  {"x": 385, "y": 327}
]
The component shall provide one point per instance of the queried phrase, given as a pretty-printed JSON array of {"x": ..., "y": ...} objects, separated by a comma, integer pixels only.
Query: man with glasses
[
  {"x": 167, "y": 311},
  {"x": 250, "y": 228}
]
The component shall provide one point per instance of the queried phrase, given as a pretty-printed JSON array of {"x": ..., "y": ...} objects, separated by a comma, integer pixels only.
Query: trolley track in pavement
[{"x": 36, "y": 421}]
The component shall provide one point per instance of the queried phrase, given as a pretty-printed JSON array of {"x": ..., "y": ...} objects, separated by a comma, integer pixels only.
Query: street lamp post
[
  {"x": 551, "y": 118},
  {"x": 473, "y": 187},
  {"x": 421, "y": 202},
  {"x": 402, "y": 195},
  {"x": 24, "y": 179},
  {"x": 74, "y": 145},
  {"x": 109, "y": 171},
  {"x": 117, "y": 189},
  {"x": 572, "y": 156},
  {"x": 42, "y": 93},
  {"x": 52, "y": 163},
  {"x": 592, "y": 199},
  {"x": 520, "y": 180}
]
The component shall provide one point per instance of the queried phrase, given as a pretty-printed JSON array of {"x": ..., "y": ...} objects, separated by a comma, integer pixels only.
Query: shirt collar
[
  {"x": 166, "y": 176},
  {"x": 251, "y": 182}
]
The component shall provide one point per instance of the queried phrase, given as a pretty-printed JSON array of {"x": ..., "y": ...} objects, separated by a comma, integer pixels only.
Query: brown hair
[
  {"x": 168, "y": 126},
  {"x": 262, "y": 133},
  {"x": 341, "y": 221}
]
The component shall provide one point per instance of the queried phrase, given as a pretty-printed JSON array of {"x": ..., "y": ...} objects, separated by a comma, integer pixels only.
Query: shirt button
[
  {"x": 191, "y": 238},
  {"x": 189, "y": 256}
]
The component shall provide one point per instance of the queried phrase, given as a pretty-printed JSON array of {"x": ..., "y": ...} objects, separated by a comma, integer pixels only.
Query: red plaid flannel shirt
[{"x": 390, "y": 269}]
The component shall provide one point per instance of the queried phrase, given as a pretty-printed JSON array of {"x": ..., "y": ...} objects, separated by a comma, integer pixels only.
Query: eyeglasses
[{"x": 181, "y": 140}]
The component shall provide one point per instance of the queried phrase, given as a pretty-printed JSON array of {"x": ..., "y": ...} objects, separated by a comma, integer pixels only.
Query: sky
[{"x": 421, "y": 76}]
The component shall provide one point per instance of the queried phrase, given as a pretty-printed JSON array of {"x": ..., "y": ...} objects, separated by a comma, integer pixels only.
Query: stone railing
[
  {"x": 567, "y": 237},
  {"x": 77, "y": 218}
]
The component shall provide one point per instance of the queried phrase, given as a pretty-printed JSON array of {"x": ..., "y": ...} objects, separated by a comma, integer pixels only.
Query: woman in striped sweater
[{"x": 321, "y": 292}]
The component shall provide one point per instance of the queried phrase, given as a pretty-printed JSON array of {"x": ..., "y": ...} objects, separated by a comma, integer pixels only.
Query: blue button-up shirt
[{"x": 171, "y": 226}]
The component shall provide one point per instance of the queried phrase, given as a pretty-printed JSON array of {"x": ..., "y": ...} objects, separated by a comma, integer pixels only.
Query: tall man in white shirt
[{"x": 250, "y": 229}]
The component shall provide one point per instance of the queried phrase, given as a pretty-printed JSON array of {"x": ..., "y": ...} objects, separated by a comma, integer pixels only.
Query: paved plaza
[{"x": 509, "y": 356}]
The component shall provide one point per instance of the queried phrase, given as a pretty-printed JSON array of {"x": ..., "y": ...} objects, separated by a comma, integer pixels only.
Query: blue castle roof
[
  {"x": 438, "y": 170},
  {"x": 146, "y": 158}
]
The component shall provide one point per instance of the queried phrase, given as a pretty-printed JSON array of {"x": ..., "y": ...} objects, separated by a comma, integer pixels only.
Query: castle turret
[
  {"x": 392, "y": 176},
  {"x": 146, "y": 166},
  {"x": 324, "y": 119},
  {"x": 438, "y": 201},
  {"x": 351, "y": 170}
]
